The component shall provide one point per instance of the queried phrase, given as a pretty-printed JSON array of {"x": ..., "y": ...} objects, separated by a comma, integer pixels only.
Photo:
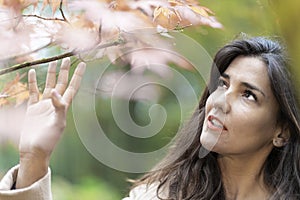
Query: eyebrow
[{"x": 246, "y": 84}]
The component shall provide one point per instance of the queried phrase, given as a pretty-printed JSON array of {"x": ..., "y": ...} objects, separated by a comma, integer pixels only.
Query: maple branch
[
  {"x": 58, "y": 57},
  {"x": 36, "y": 62},
  {"x": 61, "y": 11},
  {"x": 44, "y": 18},
  {"x": 64, "y": 19}
]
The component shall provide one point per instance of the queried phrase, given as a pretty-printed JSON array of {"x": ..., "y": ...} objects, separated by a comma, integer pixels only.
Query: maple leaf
[
  {"x": 147, "y": 7},
  {"x": 15, "y": 34},
  {"x": 14, "y": 42},
  {"x": 18, "y": 5},
  {"x": 200, "y": 10},
  {"x": 95, "y": 22},
  {"x": 166, "y": 17},
  {"x": 196, "y": 16},
  {"x": 80, "y": 34},
  {"x": 14, "y": 92},
  {"x": 175, "y": 3},
  {"x": 184, "y": 13},
  {"x": 54, "y": 4}
]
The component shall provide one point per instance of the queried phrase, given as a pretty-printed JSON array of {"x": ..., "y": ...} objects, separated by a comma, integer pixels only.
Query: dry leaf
[
  {"x": 201, "y": 10},
  {"x": 79, "y": 34},
  {"x": 15, "y": 40},
  {"x": 14, "y": 92},
  {"x": 179, "y": 14},
  {"x": 147, "y": 7},
  {"x": 166, "y": 17},
  {"x": 175, "y": 3},
  {"x": 54, "y": 4},
  {"x": 18, "y": 5}
]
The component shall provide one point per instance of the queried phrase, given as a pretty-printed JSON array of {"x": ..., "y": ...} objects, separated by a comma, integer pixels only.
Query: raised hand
[{"x": 45, "y": 120}]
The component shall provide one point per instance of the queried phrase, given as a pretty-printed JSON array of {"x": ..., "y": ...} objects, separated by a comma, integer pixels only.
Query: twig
[
  {"x": 36, "y": 62},
  {"x": 64, "y": 19},
  {"x": 45, "y": 18},
  {"x": 47, "y": 60},
  {"x": 61, "y": 11}
]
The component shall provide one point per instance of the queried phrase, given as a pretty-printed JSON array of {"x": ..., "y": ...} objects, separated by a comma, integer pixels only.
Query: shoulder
[{"x": 145, "y": 192}]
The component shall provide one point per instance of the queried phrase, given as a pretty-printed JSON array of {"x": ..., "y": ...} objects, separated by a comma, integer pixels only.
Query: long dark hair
[{"x": 185, "y": 175}]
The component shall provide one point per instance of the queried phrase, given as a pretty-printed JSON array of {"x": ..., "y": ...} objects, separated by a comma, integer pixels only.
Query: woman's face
[{"x": 241, "y": 114}]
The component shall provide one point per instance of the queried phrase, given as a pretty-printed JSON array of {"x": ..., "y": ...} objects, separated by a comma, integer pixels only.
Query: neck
[{"x": 243, "y": 177}]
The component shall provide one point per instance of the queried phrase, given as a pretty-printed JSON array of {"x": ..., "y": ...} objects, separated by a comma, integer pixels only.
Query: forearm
[{"x": 32, "y": 168}]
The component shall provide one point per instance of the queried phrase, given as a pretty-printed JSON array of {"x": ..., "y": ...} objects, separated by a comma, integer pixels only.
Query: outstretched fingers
[
  {"x": 62, "y": 80},
  {"x": 50, "y": 80},
  {"x": 33, "y": 88},
  {"x": 60, "y": 92},
  {"x": 74, "y": 83}
]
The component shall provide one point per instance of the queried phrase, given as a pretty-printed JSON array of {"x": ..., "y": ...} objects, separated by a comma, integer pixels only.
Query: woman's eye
[
  {"x": 222, "y": 83},
  {"x": 250, "y": 95}
]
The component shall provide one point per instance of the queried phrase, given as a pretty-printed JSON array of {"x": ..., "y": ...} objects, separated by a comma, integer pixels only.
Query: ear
[{"x": 282, "y": 136}]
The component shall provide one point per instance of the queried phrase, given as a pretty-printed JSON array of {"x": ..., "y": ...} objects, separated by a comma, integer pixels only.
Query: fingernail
[
  {"x": 66, "y": 60},
  {"x": 31, "y": 71},
  {"x": 82, "y": 66}
]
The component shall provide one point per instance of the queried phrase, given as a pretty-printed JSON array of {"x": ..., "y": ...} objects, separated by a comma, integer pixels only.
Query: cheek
[
  {"x": 210, "y": 102},
  {"x": 254, "y": 122},
  {"x": 267, "y": 123},
  {"x": 208, "y": 105}
]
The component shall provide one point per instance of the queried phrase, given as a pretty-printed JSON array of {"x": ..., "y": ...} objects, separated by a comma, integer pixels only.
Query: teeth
[{"x": 216, "y": 123}]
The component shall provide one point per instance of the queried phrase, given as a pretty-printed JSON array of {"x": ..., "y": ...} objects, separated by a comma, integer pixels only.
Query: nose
[{"x": 222, "y": 101}]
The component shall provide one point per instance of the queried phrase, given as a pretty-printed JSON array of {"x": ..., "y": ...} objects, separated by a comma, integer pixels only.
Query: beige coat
[{"x": 41, "y": 190}]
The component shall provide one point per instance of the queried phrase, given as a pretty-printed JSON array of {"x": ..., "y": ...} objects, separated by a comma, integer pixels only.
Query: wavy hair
[{"x": 185, "y": 175}]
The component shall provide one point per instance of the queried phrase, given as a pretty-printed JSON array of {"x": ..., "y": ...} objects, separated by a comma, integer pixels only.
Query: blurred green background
[{"x": 78, "y": 175}]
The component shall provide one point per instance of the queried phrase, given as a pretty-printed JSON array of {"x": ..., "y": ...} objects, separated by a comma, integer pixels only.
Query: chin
[
  {"x": 212, "y": 145},
  {"x": 208, "y": 145},
  {"x": 209, "y": 140}
]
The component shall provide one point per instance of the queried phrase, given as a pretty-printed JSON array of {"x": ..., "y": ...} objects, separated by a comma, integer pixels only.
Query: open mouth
[{"x": 215, "y": 124}]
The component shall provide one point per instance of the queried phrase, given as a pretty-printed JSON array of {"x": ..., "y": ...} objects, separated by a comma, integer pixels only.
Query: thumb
[{"x": 57, "y": 101}]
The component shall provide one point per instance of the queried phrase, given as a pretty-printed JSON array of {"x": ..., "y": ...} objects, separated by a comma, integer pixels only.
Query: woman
[
  {"x": 243, "y": 140},
  {"x": 248, "y": 118}
]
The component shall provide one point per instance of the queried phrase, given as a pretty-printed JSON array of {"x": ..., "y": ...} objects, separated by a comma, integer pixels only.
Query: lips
[{"x": 215, "y": 124}]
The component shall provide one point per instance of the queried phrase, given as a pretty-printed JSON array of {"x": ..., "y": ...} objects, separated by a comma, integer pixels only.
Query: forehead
[
  {"x": 248, "y": 68},
  {"x": 251, "y": 70}
]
